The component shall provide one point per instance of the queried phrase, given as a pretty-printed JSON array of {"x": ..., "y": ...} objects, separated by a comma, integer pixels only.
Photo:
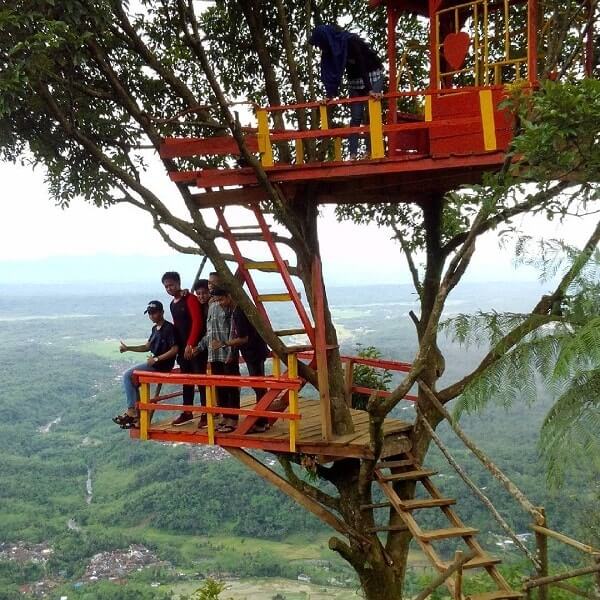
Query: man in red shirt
[{"x": 187, "y": 319}]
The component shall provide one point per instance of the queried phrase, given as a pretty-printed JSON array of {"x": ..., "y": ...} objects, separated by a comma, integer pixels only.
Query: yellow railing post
[
  {"x": 324, "y": 116},
  {"x": 264, "y": 139},
  {"x": 337, "y": 148},
  {"x": 293, "y": 394},
  {"x": 376, "y": 129},
  {"x": 144, "y": 417},
  {"x": 299, "y": 145},
  {"x": 276, "y": 366},
  {"x": 428, "y": 109},
  {"x": 488, "y": 124},
  {"x": 210, "y": 418}
]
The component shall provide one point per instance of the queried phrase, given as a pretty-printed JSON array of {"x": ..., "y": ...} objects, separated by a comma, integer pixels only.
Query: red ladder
[{"x": 316, "y": 334}]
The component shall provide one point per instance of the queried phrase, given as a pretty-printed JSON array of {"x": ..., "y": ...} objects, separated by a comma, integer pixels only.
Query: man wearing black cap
[{"x": 163, "y": 348}]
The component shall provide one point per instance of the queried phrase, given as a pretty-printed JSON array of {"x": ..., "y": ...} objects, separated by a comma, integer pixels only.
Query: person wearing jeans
[
  {"x": 343, "y": 51},
  {"x": 163, "y": 349}
]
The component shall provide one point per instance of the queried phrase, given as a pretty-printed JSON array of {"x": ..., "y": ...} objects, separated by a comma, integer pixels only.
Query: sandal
[
  {"x": 259, "y": 428},
  {"x": 128, "y": 422},
  {"x": 120, "y": 419},
  {"x": 225, "y": 429}
]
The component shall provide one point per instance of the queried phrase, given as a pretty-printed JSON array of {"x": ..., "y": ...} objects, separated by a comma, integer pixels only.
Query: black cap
[
  {"x": 153, "y": 306},
  {"x": 219, "y": 291}
]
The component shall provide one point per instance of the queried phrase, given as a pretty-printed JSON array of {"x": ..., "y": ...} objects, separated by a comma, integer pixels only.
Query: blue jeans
[
  {"x": 357, "y": 111},
  {"x": 132, "y": 391}
]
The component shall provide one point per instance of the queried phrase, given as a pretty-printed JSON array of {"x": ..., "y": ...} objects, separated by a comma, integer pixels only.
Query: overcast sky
[{"x": 43, "y": 243}]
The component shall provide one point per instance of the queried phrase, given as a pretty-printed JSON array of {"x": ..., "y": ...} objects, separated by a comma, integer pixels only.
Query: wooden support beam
[
  {"x": 541, "y": 582},
  {"x": 287, "y": 488},
  {"x": 542, "y": 555},
  {"x": 565, "y": 539},
  {"x": 321, "y": 350},
  {"x": 441, "y": 578}
]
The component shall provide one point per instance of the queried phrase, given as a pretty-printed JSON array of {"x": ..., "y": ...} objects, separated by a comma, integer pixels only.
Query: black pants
[
  {"x": 257, "y": 368},
  {"x": 227, "y": 397},
  {"x": 202, "y": 359},
  {"x": 190, "y": 367}
]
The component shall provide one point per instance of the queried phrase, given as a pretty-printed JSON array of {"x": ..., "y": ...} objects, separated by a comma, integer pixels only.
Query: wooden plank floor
[{"x": 309, "y": 439}]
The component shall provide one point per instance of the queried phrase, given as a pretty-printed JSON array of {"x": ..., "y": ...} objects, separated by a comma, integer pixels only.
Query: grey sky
[{"x": 41, "y": 242}]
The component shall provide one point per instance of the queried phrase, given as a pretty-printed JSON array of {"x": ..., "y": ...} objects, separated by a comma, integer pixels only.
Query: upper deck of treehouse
[{"x": 426, "y": 141}]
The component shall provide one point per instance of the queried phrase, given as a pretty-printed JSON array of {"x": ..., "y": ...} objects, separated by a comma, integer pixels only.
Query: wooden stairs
[{"x": 405, "y": 469}]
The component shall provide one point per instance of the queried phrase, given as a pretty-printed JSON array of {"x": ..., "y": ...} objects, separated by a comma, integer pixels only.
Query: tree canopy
[{"x": 88, "y": 89}]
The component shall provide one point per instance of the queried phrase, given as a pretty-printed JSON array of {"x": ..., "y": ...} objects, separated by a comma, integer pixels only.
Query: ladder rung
[
  {"x": 284, "y": 332},
  {"x": 375, "y": 505},
  {"x": 242, "y": 227},
  {"x": 408, "y": 475},
  {"x": 497, "y": 595},
  {"x": 450, "y": 532},
  {"x": 393, "y": 464},
  {"x": 263, "y": 265},
  {"x": 480, "y": 561},
  {"x": 387, "y": 528},
  {"x": 418, "y": 503},
  {"x": 284, "y": 297},
  {"x": 245, "y": 236}
]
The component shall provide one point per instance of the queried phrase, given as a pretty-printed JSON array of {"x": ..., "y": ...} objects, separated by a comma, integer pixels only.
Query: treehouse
[
  {"x": 422, "y": 142},
  {"x": 431, "y": 140}
]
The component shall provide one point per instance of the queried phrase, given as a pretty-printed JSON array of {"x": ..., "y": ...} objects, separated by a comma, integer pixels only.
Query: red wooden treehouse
[{"x": 455, "y": 132}]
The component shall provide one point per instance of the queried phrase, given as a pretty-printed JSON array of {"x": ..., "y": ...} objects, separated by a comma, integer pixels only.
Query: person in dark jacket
[
  {"x": 344, "y": 51},
  {"x": 162, "y": 345},
  {"x": 187, "y": 319}
]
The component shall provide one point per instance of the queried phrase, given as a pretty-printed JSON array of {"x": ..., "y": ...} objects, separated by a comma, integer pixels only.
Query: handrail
[{"x": 289, "y": 383}]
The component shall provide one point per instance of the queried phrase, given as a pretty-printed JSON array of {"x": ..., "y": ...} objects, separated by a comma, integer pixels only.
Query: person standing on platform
[
  {"x": 162, "y": 344},
  {"x": 344, "y": 51},
  {"x": 247, "y": 340},
  {"x": 187, "y": 319},
  {"x": 223, "y": 359},
  {"x": 200, "y": 289}
]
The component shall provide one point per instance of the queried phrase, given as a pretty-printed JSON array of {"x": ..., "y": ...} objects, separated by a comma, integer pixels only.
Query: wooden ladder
[
  {"x": 405, "y": 468},
  {"x": 233, "y": 235}
]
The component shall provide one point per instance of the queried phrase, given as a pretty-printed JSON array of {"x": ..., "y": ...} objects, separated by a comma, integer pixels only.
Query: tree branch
[
  {"x": 305, "y": 488},
  {"x": 540, "y": 315},
  {"x": 414, "y": 272}
]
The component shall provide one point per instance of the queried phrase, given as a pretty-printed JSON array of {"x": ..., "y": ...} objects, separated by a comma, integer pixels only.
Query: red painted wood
[
  {"x": 241, "y": 262},
  {"x": 217, "y": 145},
  {"x": 346, "y": 170},
  {"x": 285, "y": 275},
  {"x": 220, "y": 410},
  {"x": 267, "y": 382}
]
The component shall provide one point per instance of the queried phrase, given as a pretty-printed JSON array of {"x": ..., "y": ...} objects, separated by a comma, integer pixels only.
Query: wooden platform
[{"x": 309, "y": 441}]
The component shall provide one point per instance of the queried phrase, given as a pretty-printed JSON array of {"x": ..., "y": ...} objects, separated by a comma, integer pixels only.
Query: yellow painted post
[
  {"x": 276, "y": 366},
  {"x": 210, "y": 418},
  {"x": 428, "y": 109},
  {"x": 486, "y": 106},
  {"x": 264, "y": 139},
  {"x": 324, "y": 116},
  {"x": 376, "y": 129},
  {"x": 144, "y": 420},
  {"x": 293, "y": 394},
  {"x": 337, "y": 148},
  {"x": 299, "y": 145}
]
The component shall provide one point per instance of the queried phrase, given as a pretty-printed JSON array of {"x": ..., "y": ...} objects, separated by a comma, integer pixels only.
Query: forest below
[{"x": 75, "y": 482}]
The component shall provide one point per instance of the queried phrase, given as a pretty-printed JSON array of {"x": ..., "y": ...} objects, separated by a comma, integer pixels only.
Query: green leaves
[{"x": 560, "y": 128}]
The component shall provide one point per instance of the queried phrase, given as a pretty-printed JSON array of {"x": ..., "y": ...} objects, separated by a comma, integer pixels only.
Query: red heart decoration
[{"x": 456, "y": 46}]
